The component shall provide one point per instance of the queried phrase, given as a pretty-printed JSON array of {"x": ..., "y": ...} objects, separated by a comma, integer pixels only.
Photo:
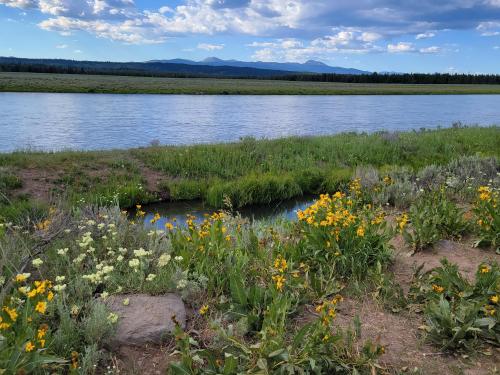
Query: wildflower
[
  {"x": 3, "y": 325},
  {"x": 179, "y": 258},
  {"x": 104, "y": 295},
  {"x": 29, "y": 347},
  {"x": 326, "y": 338},
  {"x": 495, "y": 298},
  {"x": 119, "y": 258},
  {"x": 59, "y": 287},
  {"x": 74, "y": 360},
  {"x": 484, "y": 269},
  {"x": 387, "y": 180},
  {"x": 484, "y": 193},
  {"x": 41, "y": 307},
  {"x": 360, "y": 232},
  {"x": 203, "y": 310},
  {"x": 489, "y": 310},
  {"x": 134, "y": 263},
  {"x": 402, "y": 221},
  {"x": 12, "y": 313},
  {"x": 50, "y": 296},
  {"x": 155, "y": 218},
  {"x": 60, "y": 279},
  {"x": 112, "y": 318},
  {"x": 169, "y": 226},
  {"x": 182, "y": 284},
  {"x": 437, "y": 288},
  {"x": 22, "y": 277},
  {"x": 74, "y": 310},
  {"x": 163, "y": 260},
  {"x": 126, "y": 302},
  {"x": 280, "y": 282},
  {"x": 280, "y": 264},
  {"x": 141, "y": 253},
  {"x": 151, "y": 277},
  {"x": 37, "y": 262},
  {"x": 42, "y": 331}
]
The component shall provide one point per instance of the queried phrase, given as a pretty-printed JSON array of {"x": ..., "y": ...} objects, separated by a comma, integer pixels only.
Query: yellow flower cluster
[
  {"x": 327, "y": 309},
  {"x": 402, "y": 222},
  {"x": 485, "y": 193}
]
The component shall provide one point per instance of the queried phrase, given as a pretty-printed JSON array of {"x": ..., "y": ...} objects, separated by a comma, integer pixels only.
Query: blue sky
[{"x": 377, "y": 35}]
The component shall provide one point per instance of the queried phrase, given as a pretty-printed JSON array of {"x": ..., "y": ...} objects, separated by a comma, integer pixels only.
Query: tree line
[
  {"x": 170, "y": 70},
  {"x": 408, "y": 78}
]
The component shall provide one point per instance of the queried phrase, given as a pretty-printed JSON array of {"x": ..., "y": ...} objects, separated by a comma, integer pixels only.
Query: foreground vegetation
[
  {"x": 247, "y": 172},
  {"x": 266, "y": 295},
  {"x": 75, "y": 83}
]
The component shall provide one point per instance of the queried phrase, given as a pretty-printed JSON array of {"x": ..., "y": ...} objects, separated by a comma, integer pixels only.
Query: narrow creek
[{"x": 177, "y": 211}]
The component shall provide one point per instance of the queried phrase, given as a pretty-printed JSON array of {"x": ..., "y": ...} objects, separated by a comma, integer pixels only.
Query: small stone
[{"x": 146, "y": 319}]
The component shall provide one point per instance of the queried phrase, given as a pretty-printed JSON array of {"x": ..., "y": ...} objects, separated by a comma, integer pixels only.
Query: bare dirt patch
[{"x": 399, "y": 333}]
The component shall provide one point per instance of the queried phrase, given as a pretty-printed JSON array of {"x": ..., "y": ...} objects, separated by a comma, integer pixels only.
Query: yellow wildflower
[
  {"x": 437, "y": 288},
  {"x": 203, "y": 310},
  {"x": 280, "y": 282},
  {"x": 22, "y": 277},
  {"x": 169, "y": 226},
  {"x": 495, "y": 298},
  {"x": 360, "y": 232},
  {"x": 41, "y": 307},
  {"x": 484, "y": 269},
  {"x": 280, "y": 264},
  {"x": 29, "y": 347},
  {"x": 12, "y": 313}
]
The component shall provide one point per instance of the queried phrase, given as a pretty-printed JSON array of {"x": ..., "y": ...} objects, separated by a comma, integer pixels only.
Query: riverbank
[
  {"x": 76, "y": 83},
  {"x": 243, "y": 173}
]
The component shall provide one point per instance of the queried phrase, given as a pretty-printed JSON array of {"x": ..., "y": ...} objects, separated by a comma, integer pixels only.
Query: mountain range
[{"x": 310, "y": 66}]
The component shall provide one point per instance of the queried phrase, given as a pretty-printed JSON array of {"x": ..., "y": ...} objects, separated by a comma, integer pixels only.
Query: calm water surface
[
  {"x": 100, "y": 121},
  {"x": 177, "y": 211}
]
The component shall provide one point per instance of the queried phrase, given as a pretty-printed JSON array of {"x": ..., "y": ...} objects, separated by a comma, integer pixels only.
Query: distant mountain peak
[
  {"x": 212, "y": 59},
  {"x": 314, "y": 62},
  {"x": 310, "y": 66}
]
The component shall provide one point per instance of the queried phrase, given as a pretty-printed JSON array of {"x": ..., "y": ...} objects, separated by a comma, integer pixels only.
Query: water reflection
[{"x": 177, "y": 211}]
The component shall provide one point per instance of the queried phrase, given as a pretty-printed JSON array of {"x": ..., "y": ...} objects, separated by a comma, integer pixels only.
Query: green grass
[
  {"x": 74, "y": 83},
  {"x": 250, "y": 171}
]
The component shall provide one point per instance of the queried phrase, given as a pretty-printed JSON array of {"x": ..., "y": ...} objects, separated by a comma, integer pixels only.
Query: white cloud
[
  {"x": 400, "y": 47},
  {"x": 490, "y": 28},
  {"x": 77, "y": 51},
  {"x": 432, "y": 49},
  {"x": 425, "y": 35},
  {"x": 210, "y": 47},
  {"x": 62, "y": 46}
]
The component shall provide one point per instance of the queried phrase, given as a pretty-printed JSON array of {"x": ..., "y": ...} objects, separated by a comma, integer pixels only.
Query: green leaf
[
  {"x": 179, "y": 369},
  {"x": 238, "y": 290}
]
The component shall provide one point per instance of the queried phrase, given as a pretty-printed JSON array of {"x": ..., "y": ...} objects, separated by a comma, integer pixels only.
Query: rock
[{"x": 146, "y": 319}]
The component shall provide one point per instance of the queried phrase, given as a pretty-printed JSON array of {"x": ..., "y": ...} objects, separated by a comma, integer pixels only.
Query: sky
[{"x": 460, "y": 36}]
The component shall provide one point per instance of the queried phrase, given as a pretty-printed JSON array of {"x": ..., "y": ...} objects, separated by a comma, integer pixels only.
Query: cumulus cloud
[
  {"x": 62, "y": 46},
  {"x": 210, "y": 47},
  {"x": 489, "y": 28},
  {"x": 300, "y": 27}
]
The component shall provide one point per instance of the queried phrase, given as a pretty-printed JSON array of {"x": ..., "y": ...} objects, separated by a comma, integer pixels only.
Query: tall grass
[{"x": 249, "y": 171}]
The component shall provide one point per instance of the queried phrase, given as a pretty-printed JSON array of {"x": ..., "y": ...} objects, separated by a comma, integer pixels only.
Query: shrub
[
  {"x": 487, "y": 213},
  {"x": 460, "y": 315},
  {"x": 433, "y": 217},
  {"x": 339, "y": 232}
]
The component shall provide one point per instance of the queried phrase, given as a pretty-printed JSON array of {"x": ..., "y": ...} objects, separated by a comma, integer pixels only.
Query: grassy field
[
  {"x": 35, "y": 82},
  {"x": 247, "y": 172}
]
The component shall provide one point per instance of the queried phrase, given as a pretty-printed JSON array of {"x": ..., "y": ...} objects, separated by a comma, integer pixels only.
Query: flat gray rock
[{"x": 146, "y": 319}]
